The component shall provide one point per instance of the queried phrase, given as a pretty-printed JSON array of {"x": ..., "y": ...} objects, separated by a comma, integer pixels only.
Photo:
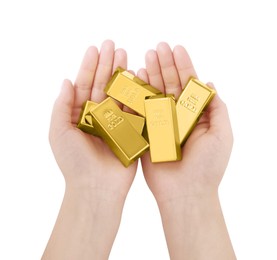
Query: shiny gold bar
[
  {"x": 112, "y": 125},
  {"x": 162, "y": 128},
  {"x": 137, "y": 122},
  {"x": 129, "y": 90},
  {"x": 86, "y": 119},
  {"x": 193, "y": 100}
]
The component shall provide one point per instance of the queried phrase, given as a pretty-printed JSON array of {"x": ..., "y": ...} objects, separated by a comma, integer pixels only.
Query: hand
[
  {"x": 96, "y": 181},
  {"x": 207, "y": 150},
  {"x": 187, "y": 191},
  {"x": 86, "y": 161}
]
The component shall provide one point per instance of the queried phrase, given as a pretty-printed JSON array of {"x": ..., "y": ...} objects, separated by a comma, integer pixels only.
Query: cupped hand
[
  {"x": 206, "y": 153},
  {"x": 85, "y": 160}
]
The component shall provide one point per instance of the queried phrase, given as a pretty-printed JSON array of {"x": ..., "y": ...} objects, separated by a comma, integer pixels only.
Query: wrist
[
  {"x": 188, "y": 205},
  {"x": 195, "y": 228},
  {"x": 86, "y": 227},
  {"x": 101, "y": 208},
  {"x": 95, "y": 195}
]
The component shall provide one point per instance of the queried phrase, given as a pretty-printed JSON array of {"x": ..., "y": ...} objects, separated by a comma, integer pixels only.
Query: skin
[
  {"x": 97, "y": 183},
  {"x": 187, "y": 191}
]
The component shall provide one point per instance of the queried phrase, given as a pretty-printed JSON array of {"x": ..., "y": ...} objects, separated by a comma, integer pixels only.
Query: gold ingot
[
  {"x": 129, "y": 90},
  {"x": 112, "y": 125},
  {"x": 137, "y": 122},
  {"x": 190, "y": 105},
  {"x": 162, "y": 128},
  {"x": 86, "y": 119}
]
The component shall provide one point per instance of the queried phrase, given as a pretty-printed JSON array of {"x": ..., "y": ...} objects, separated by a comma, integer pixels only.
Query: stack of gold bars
[{"x": 168, "y": 123}]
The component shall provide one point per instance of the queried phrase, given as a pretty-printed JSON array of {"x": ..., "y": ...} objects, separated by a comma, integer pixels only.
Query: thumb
[
  {"x": 219, "y": 117},
  {"x": 62, "y": 110}
]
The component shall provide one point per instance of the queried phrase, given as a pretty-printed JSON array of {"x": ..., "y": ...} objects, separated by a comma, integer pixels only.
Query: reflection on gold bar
[
  {"x": 111, "y": 124},
  {"x": 193, "y": 100},
  {"x": 137, "y": 122},
  {"x": 162, "y": 128},
  {"x": 86, "y": 119},
  {"x": 129, "y": 90}
]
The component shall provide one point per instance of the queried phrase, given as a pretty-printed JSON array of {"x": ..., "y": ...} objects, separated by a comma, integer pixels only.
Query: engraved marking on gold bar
[
  {"x": 86, "y": 119},
  {"x": 129, "y": 90},
  {"x": 193, "y": 100},
  {"x": 111, "y": 124},
  {"x": 162, "y": 128}
]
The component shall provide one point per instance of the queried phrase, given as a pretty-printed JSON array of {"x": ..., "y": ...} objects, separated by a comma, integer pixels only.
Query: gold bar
[
  {"x": 137, "y": 122},
  {"x": 162, "y": 128},
  {"x": 86, "y": 119},
  {"x": 193, "y": 100},
  {"x": 111, "y": 124},
  {"x": 129, "y": 90}
]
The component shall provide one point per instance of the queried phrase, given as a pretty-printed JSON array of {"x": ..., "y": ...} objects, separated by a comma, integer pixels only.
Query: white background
[{"x": 231, "y": 43}]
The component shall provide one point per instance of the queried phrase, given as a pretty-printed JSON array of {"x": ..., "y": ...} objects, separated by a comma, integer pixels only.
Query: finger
[
  {"x": 85, "y": 77},
  {"x": 142, "y": 74},
  {"x": 220, "y": 125},
  {"x": 184, "y": 65},
  {"x": 103, "y": 71},
  {"x": 218, "y": 115},
  {"x": 120, "y": 59},
  {"x": 205, "y": 118},
  {"x": 62, "y": 110},
  {"x": 169, "y": 71},
  {"x": 153, "y": 70}
]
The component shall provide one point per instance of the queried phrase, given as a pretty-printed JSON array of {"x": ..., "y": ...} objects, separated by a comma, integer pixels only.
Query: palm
[
  {"x": 86, "y": 160},
  {"x": 173, "y": 178},
  {"x": 169, "y": 71}
]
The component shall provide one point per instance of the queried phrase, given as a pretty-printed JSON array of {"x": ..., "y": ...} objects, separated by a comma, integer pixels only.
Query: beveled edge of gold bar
[
  {"x": 139, "y": 81},
  {"x": 162, "y": 95},
  {"x": 84, "y": 123},
  {"x": 132, "y": 77},
  {"x": 203, "y": 85},
  {"x": 117, "y": 71},
  {"x": 138, "y": 122},
  {"x": 136, "y": 156},
  {"x": 147, "y": 86}
]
